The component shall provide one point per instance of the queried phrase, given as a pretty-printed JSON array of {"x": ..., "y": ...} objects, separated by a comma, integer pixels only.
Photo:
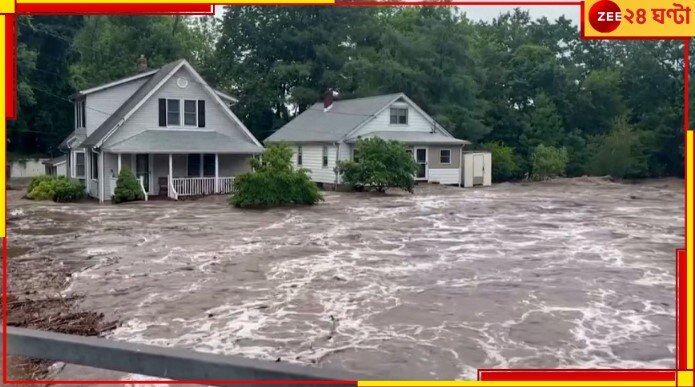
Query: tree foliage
[
  {"x": 504, "y": 164},
  {"x": 274, "y": 182},
  {"x": 380, "y": 165},
  {"x": 516, "y": 81},
  {"x": 548, "y": 162}
]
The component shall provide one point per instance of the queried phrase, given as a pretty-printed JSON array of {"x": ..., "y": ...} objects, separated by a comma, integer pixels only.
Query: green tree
[
  {"x": 548, "y": 162},
  {"x": 619, "y": 153},
  {"x": 504, "y": 162},
  {"x": 381, "y": 165},
  {"x": 274, "y": 182}
]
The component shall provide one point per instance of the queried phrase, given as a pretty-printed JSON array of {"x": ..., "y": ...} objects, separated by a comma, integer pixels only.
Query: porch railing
[
  {"x": 141, "y": 180},
  {"x": 190, "y": 186}
]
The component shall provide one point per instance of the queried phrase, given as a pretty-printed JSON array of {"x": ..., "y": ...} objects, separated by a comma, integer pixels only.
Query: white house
[
  {"x": 328, "y": 132},
  {"x": 56, "y": 166},
  {"x": 177, "y": 134}
]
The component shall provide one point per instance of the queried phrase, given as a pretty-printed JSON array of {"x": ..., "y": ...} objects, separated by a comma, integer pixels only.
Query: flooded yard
[{"x": 569, "y": 273}]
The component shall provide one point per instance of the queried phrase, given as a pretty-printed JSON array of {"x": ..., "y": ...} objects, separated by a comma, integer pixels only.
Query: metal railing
[{"x": 170, "y": 363}]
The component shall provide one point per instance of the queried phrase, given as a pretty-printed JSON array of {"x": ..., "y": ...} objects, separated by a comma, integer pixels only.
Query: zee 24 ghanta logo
[{"x": 605, "y": 16}]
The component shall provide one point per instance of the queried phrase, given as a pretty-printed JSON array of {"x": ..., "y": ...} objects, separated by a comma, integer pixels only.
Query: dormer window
[
  {"x": 80, "y": 116},
  {"x": 399, "y": 116}
]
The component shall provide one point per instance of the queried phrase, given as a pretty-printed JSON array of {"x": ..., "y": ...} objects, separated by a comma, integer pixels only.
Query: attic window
[{"x": 399, "y": 116}]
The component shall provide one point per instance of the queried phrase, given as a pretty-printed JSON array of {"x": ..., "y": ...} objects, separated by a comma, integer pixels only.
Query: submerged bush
[
  {"x": 127, "y": 187},
  {"x": 58, "y": 189},
  {"x": 274, "y": 182},
  {"x": 381, "y": 165}
]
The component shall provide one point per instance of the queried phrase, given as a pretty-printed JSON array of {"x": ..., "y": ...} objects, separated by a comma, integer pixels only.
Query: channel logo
[{"x": 605, "y": 16}]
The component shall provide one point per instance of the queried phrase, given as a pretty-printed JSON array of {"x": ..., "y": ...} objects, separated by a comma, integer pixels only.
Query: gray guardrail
[{"x": 170, "y": 363}]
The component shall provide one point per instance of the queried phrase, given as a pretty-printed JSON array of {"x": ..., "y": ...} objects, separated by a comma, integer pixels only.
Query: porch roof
[
  {"x": 182, "y": 141},
  {"x": 411, "y": 137}
]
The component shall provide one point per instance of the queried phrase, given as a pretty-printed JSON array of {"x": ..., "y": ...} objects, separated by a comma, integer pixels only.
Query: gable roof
[
  {"x": 341, "y": 120},
  {"x": 143, "y": 93},
  {"x": 163, "y": 73}
]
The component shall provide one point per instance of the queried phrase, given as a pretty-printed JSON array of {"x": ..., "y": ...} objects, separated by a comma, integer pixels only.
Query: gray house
[
  {"x": 327, "y": 132},
  {"x": 177, "y": 134}
]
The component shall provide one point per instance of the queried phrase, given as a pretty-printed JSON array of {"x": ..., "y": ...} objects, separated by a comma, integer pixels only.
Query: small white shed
[{"x": 476, "y": 168}]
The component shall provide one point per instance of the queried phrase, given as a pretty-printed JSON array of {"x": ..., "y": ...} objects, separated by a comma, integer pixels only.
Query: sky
[{"x": 487, "y": 13}]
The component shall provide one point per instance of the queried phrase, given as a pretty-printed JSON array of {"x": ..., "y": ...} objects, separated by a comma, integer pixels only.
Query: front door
[
  {"x": 421, "y": 159},
  {"x": 478, "y": 169},
  {"x": 142, "y": 169}
]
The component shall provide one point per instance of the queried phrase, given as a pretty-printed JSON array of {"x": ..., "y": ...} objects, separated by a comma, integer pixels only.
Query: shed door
[{"x": 478, "y": 169}]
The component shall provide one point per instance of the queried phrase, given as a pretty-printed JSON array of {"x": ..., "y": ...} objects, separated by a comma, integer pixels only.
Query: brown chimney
[
  {"x": 328, "y": 98},
  {"x": 142, "y": 63}
]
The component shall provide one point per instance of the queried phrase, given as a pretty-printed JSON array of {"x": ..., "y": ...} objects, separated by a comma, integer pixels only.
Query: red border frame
[{"x": 483, "y": 374}]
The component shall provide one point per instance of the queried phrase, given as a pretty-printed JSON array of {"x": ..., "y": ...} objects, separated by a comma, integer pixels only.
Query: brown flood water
[{"x": 570, "y": 273}]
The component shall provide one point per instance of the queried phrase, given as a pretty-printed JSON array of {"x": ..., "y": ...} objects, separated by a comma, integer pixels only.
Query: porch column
[
  {"x": 119, "y": 163},
  {"x": 200, "y": 167},
  {"x": 217, "y": 173},
  {"x": 171, "y": 175}
]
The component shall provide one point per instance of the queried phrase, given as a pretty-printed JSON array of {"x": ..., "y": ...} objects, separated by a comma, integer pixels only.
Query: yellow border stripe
[
  {"x": 689, "y": 248},
  {"x": 466, "y": 383}
]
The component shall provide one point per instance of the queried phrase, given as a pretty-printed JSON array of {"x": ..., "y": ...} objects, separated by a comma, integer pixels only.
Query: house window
[
  {"x": 80, "y": 116},
  {"x": 209, "y": 165},
  {"x": 299, "y": 155},
  {"x": 194, "y": 164},
  {"x": 399, "y": 116},
  {"x": 445, "y": 156},
  {"x": 190, "y": 116},
  {"x": 173, "y": 112},
  {"x": 95, "y": 166},
  {"x": 78, "y": 172},
  {"x": 325, "y": 156}
]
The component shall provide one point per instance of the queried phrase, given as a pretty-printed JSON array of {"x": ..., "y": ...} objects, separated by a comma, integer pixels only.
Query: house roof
[
  {"x": 78, "y": 135},
  {"x": 55, "y": 161},
  {"x": 411, "y": 137},
  {"x": 130, "y": 103},
  {"x": 315, "y": 125},
  {"x": 184, "y": 141}
]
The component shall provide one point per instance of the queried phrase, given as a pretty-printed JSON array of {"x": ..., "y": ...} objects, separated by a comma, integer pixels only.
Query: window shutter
[
  {"x": 201, "y": 113},
  {"x": 162, "y": 112}
]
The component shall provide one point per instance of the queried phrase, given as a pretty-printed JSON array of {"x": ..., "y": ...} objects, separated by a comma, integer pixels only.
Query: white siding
[
  {"x": 468, "y": 171},
  {"x": 312, "y": 159},
  {"x": 147, "y": 116},
  {"x": 444, "y": 176},
  {"x": 28, "y": 168},
  {"x": 382, "y": 122},
  {"x": 107, "y": 101},
  {"x": 234, "y": 165}
]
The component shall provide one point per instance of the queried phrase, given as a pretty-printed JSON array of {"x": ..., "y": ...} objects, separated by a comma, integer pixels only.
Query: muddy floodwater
[{"x": 569, "y": 273}]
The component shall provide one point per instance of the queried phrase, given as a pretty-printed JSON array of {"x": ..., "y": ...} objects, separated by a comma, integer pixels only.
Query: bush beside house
[
  {"x": 59, "y": 189},
  {"x": 274, "y": 182},
  {"x": 127, "y": 187},
  {"x": 380, "y": 165}
]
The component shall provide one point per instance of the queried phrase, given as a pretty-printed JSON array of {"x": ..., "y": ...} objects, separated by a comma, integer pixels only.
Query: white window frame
[
  {"x": 183, "y": 112},
  {"x": 324, "y": 157},
  {"x": 80, "y": 113},
  {"x": 73, "y": 165},
  {"x": 180, "y": 124},
  {"x": 404, "y": 108},
  {"x": 440, "y": 156},
  {"x": 93, "y": 168}
]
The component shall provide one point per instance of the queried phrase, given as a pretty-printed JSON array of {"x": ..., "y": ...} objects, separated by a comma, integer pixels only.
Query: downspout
[{"x": 335, "y": 170}]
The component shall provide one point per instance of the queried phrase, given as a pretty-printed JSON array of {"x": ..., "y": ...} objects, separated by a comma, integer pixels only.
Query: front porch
[{"x": 177, "y": 175}]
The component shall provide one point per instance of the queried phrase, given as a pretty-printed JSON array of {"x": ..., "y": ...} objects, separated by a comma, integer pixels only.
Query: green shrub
[
  {"x": 548, "y": 162},
  {"x": 58, "y": 189},
  {"x": 381, "y": 165},
  {"x": 127, "y": 187},
  {"x": 274, "y": 182},
  {"x": 619, "y": 154},
  {"x": 37, "y": 180},
  {"x": 504, "y": 161},
  {"x": 68, "y": 191}
]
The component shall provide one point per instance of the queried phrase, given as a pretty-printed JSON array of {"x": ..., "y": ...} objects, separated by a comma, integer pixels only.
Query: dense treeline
[{"x": 510, "y": 85}]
